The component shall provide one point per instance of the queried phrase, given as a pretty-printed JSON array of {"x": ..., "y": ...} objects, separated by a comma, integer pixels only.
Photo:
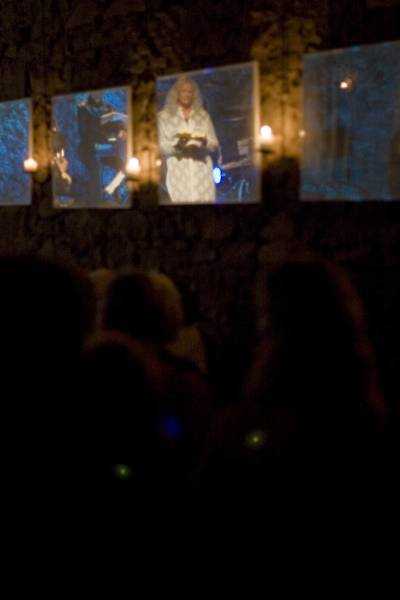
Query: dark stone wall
[{"x": 58, "y": 46}]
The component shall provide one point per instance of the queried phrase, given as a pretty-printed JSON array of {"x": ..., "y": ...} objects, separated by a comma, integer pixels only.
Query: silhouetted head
[
  {"x": 45, "y": 311},
  {"x": 316, "y": 354},
  {"x": 146, "y": 306}
]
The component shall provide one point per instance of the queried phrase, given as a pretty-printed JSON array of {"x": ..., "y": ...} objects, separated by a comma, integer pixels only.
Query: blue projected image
[
  {"x": 90, "y": 139},
  {"x": 207, "y": 129},
  {"x": 351, "y": 136},
  {"x": 15, "y": 123}
]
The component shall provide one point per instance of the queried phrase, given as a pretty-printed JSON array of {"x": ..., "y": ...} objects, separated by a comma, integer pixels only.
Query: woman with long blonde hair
[{"x": 187, "y": 139}]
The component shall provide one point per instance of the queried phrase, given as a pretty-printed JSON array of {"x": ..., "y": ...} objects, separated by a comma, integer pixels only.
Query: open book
[{"x": 112, "y": 116}]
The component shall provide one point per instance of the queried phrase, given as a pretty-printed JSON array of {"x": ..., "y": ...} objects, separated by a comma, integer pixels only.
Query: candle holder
[
  {"x": 132, "y": 172},
  {"x": 267, "y": 141}
]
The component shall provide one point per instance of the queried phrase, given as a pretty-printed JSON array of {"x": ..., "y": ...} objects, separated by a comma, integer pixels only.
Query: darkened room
[{"x": 166, "y": 355}]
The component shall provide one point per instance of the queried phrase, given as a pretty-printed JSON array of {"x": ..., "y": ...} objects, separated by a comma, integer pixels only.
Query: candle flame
[
  {"x": 133, "y": 167},
  {"x": 266, "y": 134},
  {"x": 30, "y": 165}
]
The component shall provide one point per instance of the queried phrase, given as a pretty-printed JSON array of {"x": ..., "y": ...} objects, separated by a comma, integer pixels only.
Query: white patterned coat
[{"x": 188, "y": 180}]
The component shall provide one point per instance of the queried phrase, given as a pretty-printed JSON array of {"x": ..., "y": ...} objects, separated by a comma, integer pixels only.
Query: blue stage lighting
[{"x": 217, "y": 175}]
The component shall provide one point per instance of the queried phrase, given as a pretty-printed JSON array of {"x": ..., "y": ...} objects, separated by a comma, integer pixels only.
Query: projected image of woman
[{"x": 187, "y": 139}]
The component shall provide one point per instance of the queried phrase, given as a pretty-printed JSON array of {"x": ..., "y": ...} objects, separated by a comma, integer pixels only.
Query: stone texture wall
[{"x": 58, "y": 46}]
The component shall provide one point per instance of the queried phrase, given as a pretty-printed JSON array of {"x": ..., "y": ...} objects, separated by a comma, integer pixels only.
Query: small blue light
[
  {"x": 170, "y": 427},
  {"x": 217, "y": 175}
]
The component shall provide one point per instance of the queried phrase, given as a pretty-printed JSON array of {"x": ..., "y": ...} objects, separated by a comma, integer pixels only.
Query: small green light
[
  {"x": 123, "y": 471},
  {"x": 256, "y": 439}
]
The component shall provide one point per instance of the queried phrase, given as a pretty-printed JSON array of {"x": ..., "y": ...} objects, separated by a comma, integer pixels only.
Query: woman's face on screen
[{"x": 186, "y": 94}]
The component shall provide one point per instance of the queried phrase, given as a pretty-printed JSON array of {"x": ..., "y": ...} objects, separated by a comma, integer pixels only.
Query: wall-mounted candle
[
  {"x": 302, "y": 133},
  {"x": 266, "y": 137},
  {"x": 133, "y": 167},
  {"x": 346, "y": 84},
  {"x": 30, "y": 165},
  {"x": 266, "y": 133}
]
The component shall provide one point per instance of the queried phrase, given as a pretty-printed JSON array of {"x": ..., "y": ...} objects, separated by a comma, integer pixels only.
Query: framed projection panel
[
  {"x": 91, "y": 138},
  {"x": 207, "y": 128},
  {"x": 351, "y": 136},
  {"x": 15, "y": 148}
]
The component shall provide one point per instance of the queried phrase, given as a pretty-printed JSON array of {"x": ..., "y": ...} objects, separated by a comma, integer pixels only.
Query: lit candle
[
  {"x": 266, "y": 137},
  {"x": 345, "y": 84},
  {"x": 30, "y": 165},
  {"x": 133, "y": 167}
]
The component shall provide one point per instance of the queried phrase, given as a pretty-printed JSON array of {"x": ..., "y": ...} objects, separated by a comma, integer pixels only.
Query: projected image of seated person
[
  {"x": 100, "y": 144},
  {"x": 187, "y": 140},
  {"x": 91, "y": 135},
  {"x": 90, "y": 139}
]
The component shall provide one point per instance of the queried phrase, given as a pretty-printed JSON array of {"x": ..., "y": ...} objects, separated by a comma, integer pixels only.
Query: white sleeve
[{"x": 167, "y": 138}]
